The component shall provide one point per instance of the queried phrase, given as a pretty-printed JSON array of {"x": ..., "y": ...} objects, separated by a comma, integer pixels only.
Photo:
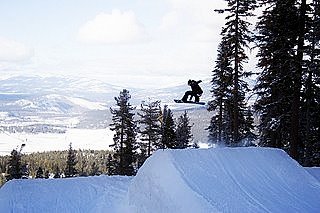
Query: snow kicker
[{"x": 223, "y": 180}]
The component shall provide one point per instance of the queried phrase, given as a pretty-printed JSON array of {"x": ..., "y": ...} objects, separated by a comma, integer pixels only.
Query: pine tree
[
  {"x": 94, "y": 169},
  {"x": 83, "y": 164},
  {"x": 276, "y": 39},
  {"x": 14, "y": 166},
  {"x": 125, "y": 144},
  {"x": 183, "y": 132},
  {"x": 57, "y": 173},
  {"x": 150, "y": 126},
  {"x": 70, "y": 170},
  {"x": 47, "y": 174},
  {"x": 228, "y": 77},
  {"x": 287, "y": 86},
  {"x": 111, "y": 165},
  {"x": 249, "y": 136},
  {"x": 168, "y": 136},
  {"x": 296, "y": 145},
  {"x": 310, "y": 121},
  {"x": 220, "y": 129},
  {"x": 25, "y": 171},
  {"x": 39, "y": 173}
]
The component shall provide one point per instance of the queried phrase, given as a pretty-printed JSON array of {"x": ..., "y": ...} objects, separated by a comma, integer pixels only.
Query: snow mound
[
  {"x": 314, "y": 171},
  {"x": 87, "y": 194},
  {"x": 194, "y": 180},
  {"x": 223, "y": 180}
]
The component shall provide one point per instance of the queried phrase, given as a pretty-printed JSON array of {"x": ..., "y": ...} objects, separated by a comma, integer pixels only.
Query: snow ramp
[
  {"x": 223, "y": 180},
  {"x": 65, "y": 195}
]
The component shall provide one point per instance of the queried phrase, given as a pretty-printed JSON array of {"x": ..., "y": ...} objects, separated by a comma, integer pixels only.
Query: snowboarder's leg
[
  {"x": 186, "y": 95},
  {"x": 196, "y": 98}
]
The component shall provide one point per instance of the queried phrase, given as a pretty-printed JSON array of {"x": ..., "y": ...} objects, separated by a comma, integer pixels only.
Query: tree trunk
[
  {"x": 295, "y": 115},
  {"x": 236, "y": 81}
]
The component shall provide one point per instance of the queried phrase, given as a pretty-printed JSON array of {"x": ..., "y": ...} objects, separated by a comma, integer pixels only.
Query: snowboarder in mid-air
[{"x": 195, "y": 92}]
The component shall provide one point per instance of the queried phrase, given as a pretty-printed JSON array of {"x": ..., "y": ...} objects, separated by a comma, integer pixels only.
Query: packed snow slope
[
  {"x": 83, "y": 194},
  {"x": 314, "y": 171},
  {"x": 223, "y": 180},
  {"x": 173, "y": 181}
]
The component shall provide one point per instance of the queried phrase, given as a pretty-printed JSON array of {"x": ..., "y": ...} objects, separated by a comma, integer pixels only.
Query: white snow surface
[
  {"x": 95, "y": 139},
  {"x": 193, "y": 180},
  {"x": 87, "y": 104},
  {"x": 83, "y": 194},
  {"x": 314, "y": 171},
  {"x": 223, "y": 180}
]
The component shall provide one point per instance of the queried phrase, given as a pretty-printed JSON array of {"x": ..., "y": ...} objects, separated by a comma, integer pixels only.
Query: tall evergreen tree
[
  {"x": 111, "y": 165},
  {"x": 229, "y": 71},
  {"x": 237, "y": 33},
  {"x": 183, "y": 132},
  {"x": 168, "y": 136},
  {"x": 220, "y": 129},
  {"x": 70, "y": 170},
  {"x": 47, "y": 174},
  {"x": 83, "y": 164},
  {"x": 287, "y": 86},
  {"x": 310, "y": 121},
  {"x": 296, "y": 145},
  {"x": 150, "y": 126},
  {"x": 14, "y": 166},
  {"x": 57, "y": 172},
  {"x": 125, "y": 128},
  {"x": 276, "y": 39},
  {"x": 39, "y": 173},
  {"x": 25, "y": 171},
  {"x": 94, "y": 169}
]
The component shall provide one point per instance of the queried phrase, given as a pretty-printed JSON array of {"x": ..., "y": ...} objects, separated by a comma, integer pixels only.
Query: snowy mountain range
[
  {"x": 29, "y": 103},
  {"x": 68, "y": 95}
]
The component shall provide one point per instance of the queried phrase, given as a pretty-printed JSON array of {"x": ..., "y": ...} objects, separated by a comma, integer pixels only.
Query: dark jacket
[{"x": 195, "y": 87}]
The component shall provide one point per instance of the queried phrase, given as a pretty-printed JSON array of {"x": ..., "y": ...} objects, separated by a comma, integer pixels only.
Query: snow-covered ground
[
  {"x": 97, "y": 139},
  {"x": 193, "y": 180},
  {"x": 314, "y": 171},
  {"x": 224, "y": 180},
  {"x": 89, "y": 194}
]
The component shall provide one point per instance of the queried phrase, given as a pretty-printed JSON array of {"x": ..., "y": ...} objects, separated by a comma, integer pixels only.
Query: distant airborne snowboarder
[{"x": 195, "y": 92}]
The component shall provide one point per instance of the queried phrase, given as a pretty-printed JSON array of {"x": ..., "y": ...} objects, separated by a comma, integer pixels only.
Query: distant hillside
[{"x": 34, "y": 100}]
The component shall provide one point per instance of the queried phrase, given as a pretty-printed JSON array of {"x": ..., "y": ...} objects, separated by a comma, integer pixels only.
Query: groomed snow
[
  {"x": 194, "y": 180},
  {"x": 314, "y": 171},
  {"x": 223, "y": 180},
  {"x": 83, "y": 194}
]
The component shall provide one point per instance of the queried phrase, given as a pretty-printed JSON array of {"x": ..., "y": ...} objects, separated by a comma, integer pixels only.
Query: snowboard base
[{"x": 189, "y": 102}]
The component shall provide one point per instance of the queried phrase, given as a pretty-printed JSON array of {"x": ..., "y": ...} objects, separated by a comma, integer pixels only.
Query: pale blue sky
[{"x": 127, "y": 42}]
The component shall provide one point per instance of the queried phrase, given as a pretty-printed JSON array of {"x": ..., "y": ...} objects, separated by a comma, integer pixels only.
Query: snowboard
[{"x": 189, "y": 102}]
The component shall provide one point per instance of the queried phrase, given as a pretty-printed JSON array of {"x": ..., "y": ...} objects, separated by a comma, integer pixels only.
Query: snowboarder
[{"x": 195, "y": 92}]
